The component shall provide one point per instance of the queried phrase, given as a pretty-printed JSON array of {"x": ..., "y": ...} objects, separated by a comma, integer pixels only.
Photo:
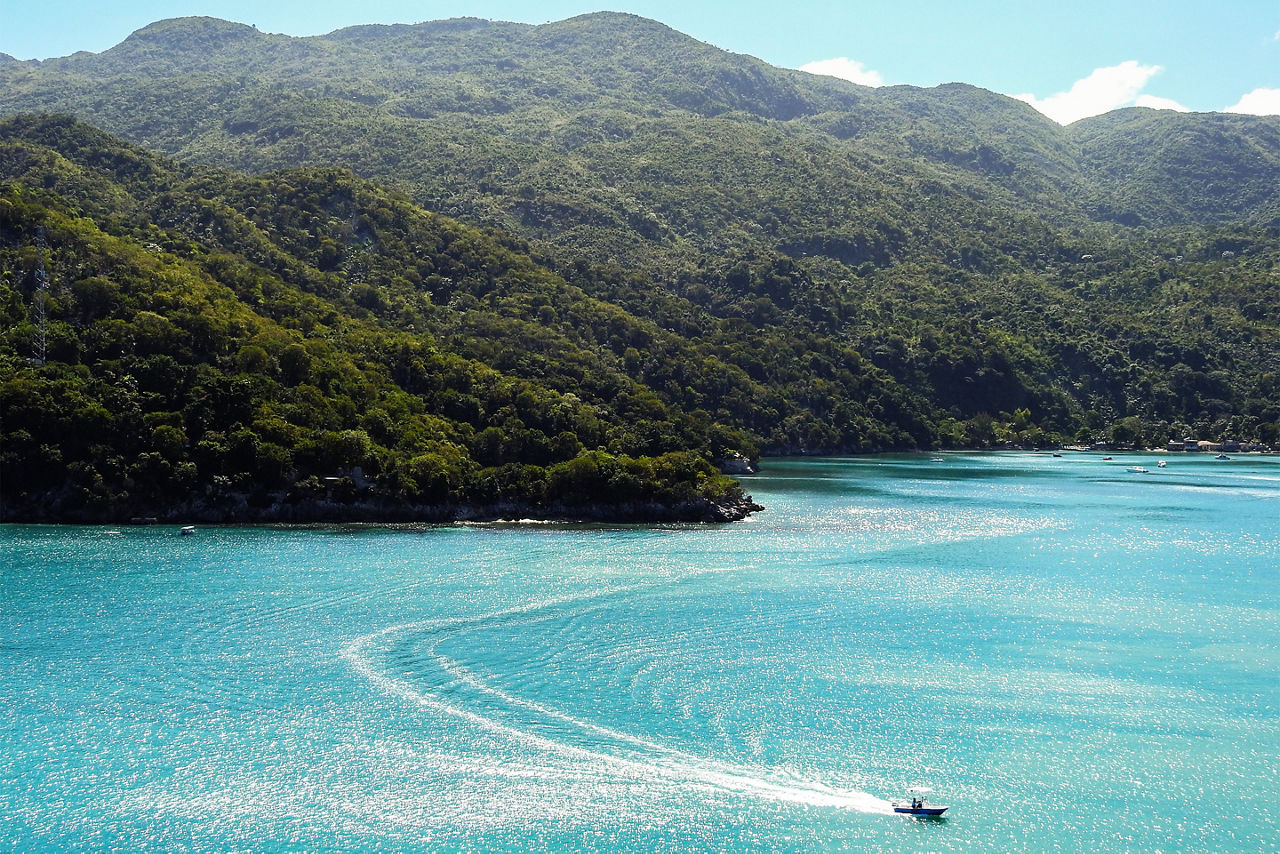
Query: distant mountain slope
[
  {"x": 1018, "y": 338},
  {"x": 1154, "y": 167},
  {"x": 480, "y": 103}
]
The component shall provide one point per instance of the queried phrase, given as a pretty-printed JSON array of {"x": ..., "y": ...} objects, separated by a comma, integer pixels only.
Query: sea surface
[{"x": 1073, "y": 656}]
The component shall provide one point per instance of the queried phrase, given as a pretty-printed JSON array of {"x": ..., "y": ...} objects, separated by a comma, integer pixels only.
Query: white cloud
[
  {"x": 1157, "y": 103},
  {"x": 845, "y": 69},
  {"x": 1104, "y": 90},
  {"x": 1259, "y": 102}
]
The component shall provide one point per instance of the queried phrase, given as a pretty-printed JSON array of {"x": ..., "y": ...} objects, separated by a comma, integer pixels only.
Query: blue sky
[{"x": 1070, "y": 58}]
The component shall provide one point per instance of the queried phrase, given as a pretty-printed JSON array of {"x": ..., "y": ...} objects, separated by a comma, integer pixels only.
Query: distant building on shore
[{"x": 1190, "y": 445}]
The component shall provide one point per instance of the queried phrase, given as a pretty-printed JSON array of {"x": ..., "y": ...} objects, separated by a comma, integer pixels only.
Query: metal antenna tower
[{"x": 41, "y": 297}]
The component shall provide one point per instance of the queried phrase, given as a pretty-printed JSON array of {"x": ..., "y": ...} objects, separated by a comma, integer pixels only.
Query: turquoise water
[{"x": 1074, "y": 657}]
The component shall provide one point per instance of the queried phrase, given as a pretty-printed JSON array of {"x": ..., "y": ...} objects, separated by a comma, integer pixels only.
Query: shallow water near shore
[{"x": 1073, "y": 656}]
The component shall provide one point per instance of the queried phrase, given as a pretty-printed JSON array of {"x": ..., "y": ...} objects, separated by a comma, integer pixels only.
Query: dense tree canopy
[
  {"x": 309, "y": 344},
  {"x": 669, "y": 250}
]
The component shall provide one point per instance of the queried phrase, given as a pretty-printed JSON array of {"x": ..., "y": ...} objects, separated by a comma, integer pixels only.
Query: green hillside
[
  {"x": 1160, "y": 167},
  {"x": 707, "y": 254},
  {"x": 304, "y": 347},
  {"x": 453, "y": 110}
]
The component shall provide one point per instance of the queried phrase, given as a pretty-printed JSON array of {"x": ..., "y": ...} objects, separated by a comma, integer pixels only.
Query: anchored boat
[{"x": 915, "y": 804}]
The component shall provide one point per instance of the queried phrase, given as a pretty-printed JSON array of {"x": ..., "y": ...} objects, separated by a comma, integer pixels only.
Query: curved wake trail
[{"x": 609, "y": 748}]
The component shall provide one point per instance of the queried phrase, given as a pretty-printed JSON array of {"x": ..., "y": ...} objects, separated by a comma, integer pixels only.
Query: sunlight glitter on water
[
  {"x": 1011, "y": 629},
  {"x": 637, "y": 757}
]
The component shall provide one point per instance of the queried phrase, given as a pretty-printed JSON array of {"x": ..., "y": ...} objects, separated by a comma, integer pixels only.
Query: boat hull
[{"x": 925, "y": 811}]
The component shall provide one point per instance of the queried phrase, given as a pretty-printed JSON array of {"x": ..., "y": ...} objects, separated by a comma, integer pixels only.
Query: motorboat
[
  {"x": 1138, "y": 470},
  {"x": 1222, "y": 457},
  {"x": 1161, "y": 464},
  {"x": 188, "y": 530},
  {"x": 914, "y": 804}
]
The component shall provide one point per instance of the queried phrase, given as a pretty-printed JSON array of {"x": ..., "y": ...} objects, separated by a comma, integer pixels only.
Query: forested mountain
[
  {"x": 309, "y": 346},
  {"x": 470, "y": 114},
  {"x": 1154, "y": 168},
  {"x": 712, "y": 254}
]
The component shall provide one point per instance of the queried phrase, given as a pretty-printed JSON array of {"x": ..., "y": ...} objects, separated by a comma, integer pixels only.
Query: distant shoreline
[{"x": 237, "y": 510}]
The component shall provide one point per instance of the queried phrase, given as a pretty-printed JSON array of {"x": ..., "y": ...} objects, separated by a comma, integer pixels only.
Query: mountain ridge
[
  {"x": 507, "y": 81},
  {"x": 891, "y": 350},
  {"x": 728, "y": 257}
]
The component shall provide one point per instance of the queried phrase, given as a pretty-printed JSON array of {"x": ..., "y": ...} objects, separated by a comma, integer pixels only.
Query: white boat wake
[{"x": 621, "y": 752}]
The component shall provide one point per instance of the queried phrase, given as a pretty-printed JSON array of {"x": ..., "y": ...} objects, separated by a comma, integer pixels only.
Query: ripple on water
[{"x": 1098, "y": 650}]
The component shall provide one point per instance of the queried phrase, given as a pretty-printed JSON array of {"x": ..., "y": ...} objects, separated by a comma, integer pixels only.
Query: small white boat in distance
[
  {"x": 1161, "y": 464},
  {"x": 1138, "y": 470},
  {"x": 915, "y": 804},
  {"x": 188, "y": 530}
]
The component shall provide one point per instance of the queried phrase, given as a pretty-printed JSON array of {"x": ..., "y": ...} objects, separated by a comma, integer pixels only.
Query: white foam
[{"x": 619, "y": 751}]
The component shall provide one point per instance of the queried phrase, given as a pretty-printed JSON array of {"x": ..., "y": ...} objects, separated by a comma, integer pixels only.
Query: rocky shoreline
[{"x": 237, "y": 508}]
